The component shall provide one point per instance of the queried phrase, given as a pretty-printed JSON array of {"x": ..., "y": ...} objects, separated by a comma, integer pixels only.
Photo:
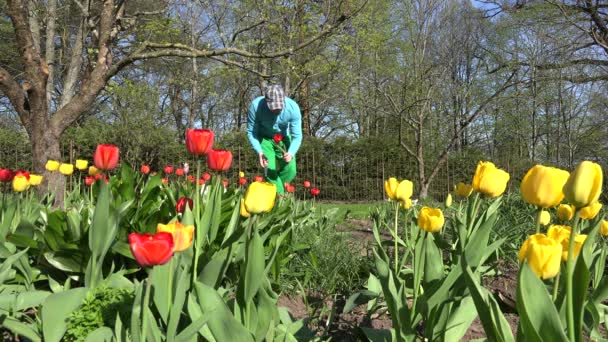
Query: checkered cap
[{"x": 275, "y": 97}]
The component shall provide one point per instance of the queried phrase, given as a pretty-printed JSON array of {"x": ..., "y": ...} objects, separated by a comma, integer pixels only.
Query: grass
[{"x": 357, "y": 211}]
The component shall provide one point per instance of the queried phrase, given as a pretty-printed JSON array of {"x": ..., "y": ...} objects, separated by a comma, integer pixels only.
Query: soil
[{"x": 346, "y": 327}]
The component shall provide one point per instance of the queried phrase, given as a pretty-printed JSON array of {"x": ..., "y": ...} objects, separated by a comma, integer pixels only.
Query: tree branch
[{"x": 11, "y": 89}]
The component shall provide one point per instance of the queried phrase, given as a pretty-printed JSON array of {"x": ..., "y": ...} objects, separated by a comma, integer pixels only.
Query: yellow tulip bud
[
  {"x": 260, "y": 197},
  {"x": 430, "y": 219},
  {"x": 20, "y": 183},
  {"x": 565, "y": 212},
  {"x": 35, "y": 180},
  {"x": 390, "y": 186},
  {"x": 93, "y": 171},
  {"x": 543, "y": 255},
  {"x": 407, "y": 204},
  {"x": 544, "y": 217},
  {"x": 241, "y": 174},
  {"x": 182, "y": 235},
  {"x": 448, "y": 201},
  {"x": 66, "y": 169},
  {"x": 81, "y": 164},
  {"x": 243, "y": 210},
  {"x": 52, "y": 165},
  {"x": 405, "y": 190},
  {"x": 584, "y": 184},
  {"x": 604, "y": 228},
  {"x": 590, "y": 212},
  {"x": 490, "y": 180},
  {"x": 463, "y": 190},
  {"x": 542, "y": 186}
]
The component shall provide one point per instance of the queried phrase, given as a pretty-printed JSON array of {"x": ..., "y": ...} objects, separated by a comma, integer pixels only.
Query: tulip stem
[
  {"x": 569, "y": 274},
  {"x": 396, "y": 234},
  {"x": 556, "y": 287},
  {"x": 144, "y": 308},
  {"x": 197, "y": 221},
  {"x": 538, "y": 215},
  {"x": 170, "y": 282}
]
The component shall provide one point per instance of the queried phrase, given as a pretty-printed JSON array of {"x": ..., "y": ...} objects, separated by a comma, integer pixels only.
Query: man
[{"x": 270, "y": 114}]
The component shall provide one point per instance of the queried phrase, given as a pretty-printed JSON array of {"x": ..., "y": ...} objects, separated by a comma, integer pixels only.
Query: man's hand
[
  {"x": 263, "y": 160},
  {"x": 287, "y": 157}
]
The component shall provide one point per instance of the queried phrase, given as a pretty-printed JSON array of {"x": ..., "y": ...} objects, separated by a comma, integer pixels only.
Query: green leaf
[
  {"x": 538, "y": 314},
  {"x": 100, "y": 334},
  {"x": 19, "y": 328},
  {"x": 56, "y": 309},
  {"x": 460, "y": 320},
  {"x": 433, "y": 267},
  {"x": 254, "y": 269}
]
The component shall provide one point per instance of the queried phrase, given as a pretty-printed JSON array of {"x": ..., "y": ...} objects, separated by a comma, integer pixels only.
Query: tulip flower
[
  {"x": 106, "y": 157},
  {"x": 151, "y": 250},
  {"x": 225, "y": 182},
  {"x": 448, "y": 201},
  {"x": 241, "y": 174},
  {"x": 542, "y": 186},
  {"x": 407, "y": 204},
  {"x": 430, "y": 219},
  {"x": 168, "y": 169},
  {"x": 289, "y": 188},
  {"x": 258, "y": 179},
  {"x": 145, "y": 169},
  {"x": 565, "y": 212},
  {"x": 219, "y": 160},
  {"x": 584, "y": 184},
  {"x": 390, "y": 187},
  {"x": 6, "y": 175},
  {"x": 315, "y": 192},
  {"x": 543, "y": 255},
  {"x": 243, "y": 210},
  {"x": 179, "y": 172},
  {"x": 405, "y": 190},
  {"x": 199, "y": 141},
  {"x": 190, "y": 178},
  {"x": 604, "y": 228},
  {"x": 206, "y": 177},
  {"x": 579, "y": 240},
  {"x": 260, "y": 197},
  {"x": 182, "y": 235},
  {"x": 52, "y": 165},
  {"x": 81, "y": 164},
  {"x": 201, "y": 181},
  {"x": 277, "y": 138},
  {"x": 559, "y": 233},
  {"x": 93, "y": 171},
  {"x": 463, "y": 190},
  {"x": 590, "y": 212},
  {"x": 490, "y": 180},
  {"x": 165, "y": 180},
  {"x": 35, "y": 180},
  {"x": 20, "y": 183},
  {"x": 186, "y": 168},
  {"x": 306, "y": 184},
  {"x": 242, "y": 181},
  {"x": 180, "y": 206},
  {"x": 88, "y": 180},
  {"x": 23, "y": 173},
  {"x": 544, "y": 218},
  {"x": 66, "y": 169}
]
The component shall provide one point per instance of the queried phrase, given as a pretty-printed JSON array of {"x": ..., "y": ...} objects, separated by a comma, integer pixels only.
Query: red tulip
[
  {"x": 289, "y": 188},
  {"x": 206, "y": 177},
  {"x": 242, "y": 180},
  {"x": 106, "y": 156},
  {"x": 88, "y": 180},
  {"x": 315, "y": 192},
  {"x": 154, "y": 173},
  {"x": 201, "y": 181},
  {"x": 278, "y": 137},
  {"x": 23, "y": 173},
  {"x": 190, "y": 178},
  {"x": 145, "y": 169},
  {"x": 180, "y": 207},
  {"x": 219, "y": 160},
  {"x": 6, "y": 175},
  {"x": 199, "y": 141},
  {"x": 102, "y": 176},
  {"x": 258, "y": 179},
  {"x": 168, "y": 169},
  {"x": 179, "y": 172},
  {"x": 226, "y": 182},
  {"x": 150, "y": 250},
  {"x": 165, "y": 180},
  {"x": 307, "y": 184}
]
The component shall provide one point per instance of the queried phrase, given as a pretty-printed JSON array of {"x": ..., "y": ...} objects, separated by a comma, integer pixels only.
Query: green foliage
[{"x": 99, "y": 309}]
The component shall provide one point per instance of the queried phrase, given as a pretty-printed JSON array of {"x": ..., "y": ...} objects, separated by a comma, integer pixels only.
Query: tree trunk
[
  {"x": 305, "y": 107},
  {"x": 46, "y": 146}
]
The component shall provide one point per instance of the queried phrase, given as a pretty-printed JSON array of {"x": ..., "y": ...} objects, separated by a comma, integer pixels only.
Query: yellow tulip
[
  {"x": 20, "y": 183},
  {"x": 604, "y": 228},
  {"x": 565, "y": 212},
  {"x": 463, "y": 190},
  {"x": 543, "y": 255},
  {"x": 52, "y": 165},
  {"x": 584, "y": 184},
  {"x": 448, "y": 201},
  {"x": 35, "y": 180},
  {"x": 579, "y": 240},
  {"x": 66, "y": 169},
  {"x": 590, "y": 212},
  {"x": 390, "y": 186},
  {"x": 406, "y": 204},
  {"x": 243, "y": 210},
  {"x": 430, "y": 219},
  {"x": 542, "y": 186},
  {"x": 241, "y": 174},
  {"x": 182, "y": 235},
  {"x": 81, "y": 164},
  {"x": 260, "y": 197},
  {"x": 559, "y": 233},
  {"x": 93, "y": 171},
  {"x": 405, "y": 190},
  {"x": 490, "y": 180},
  {"x": 544, "y": 217}
]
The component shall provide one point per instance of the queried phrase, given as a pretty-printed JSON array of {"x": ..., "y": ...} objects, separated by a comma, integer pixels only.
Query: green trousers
[{"x": 279, "y": 171}]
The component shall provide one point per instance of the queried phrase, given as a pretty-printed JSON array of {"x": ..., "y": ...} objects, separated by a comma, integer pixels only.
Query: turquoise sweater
[{"x": 262, "y": 123}]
